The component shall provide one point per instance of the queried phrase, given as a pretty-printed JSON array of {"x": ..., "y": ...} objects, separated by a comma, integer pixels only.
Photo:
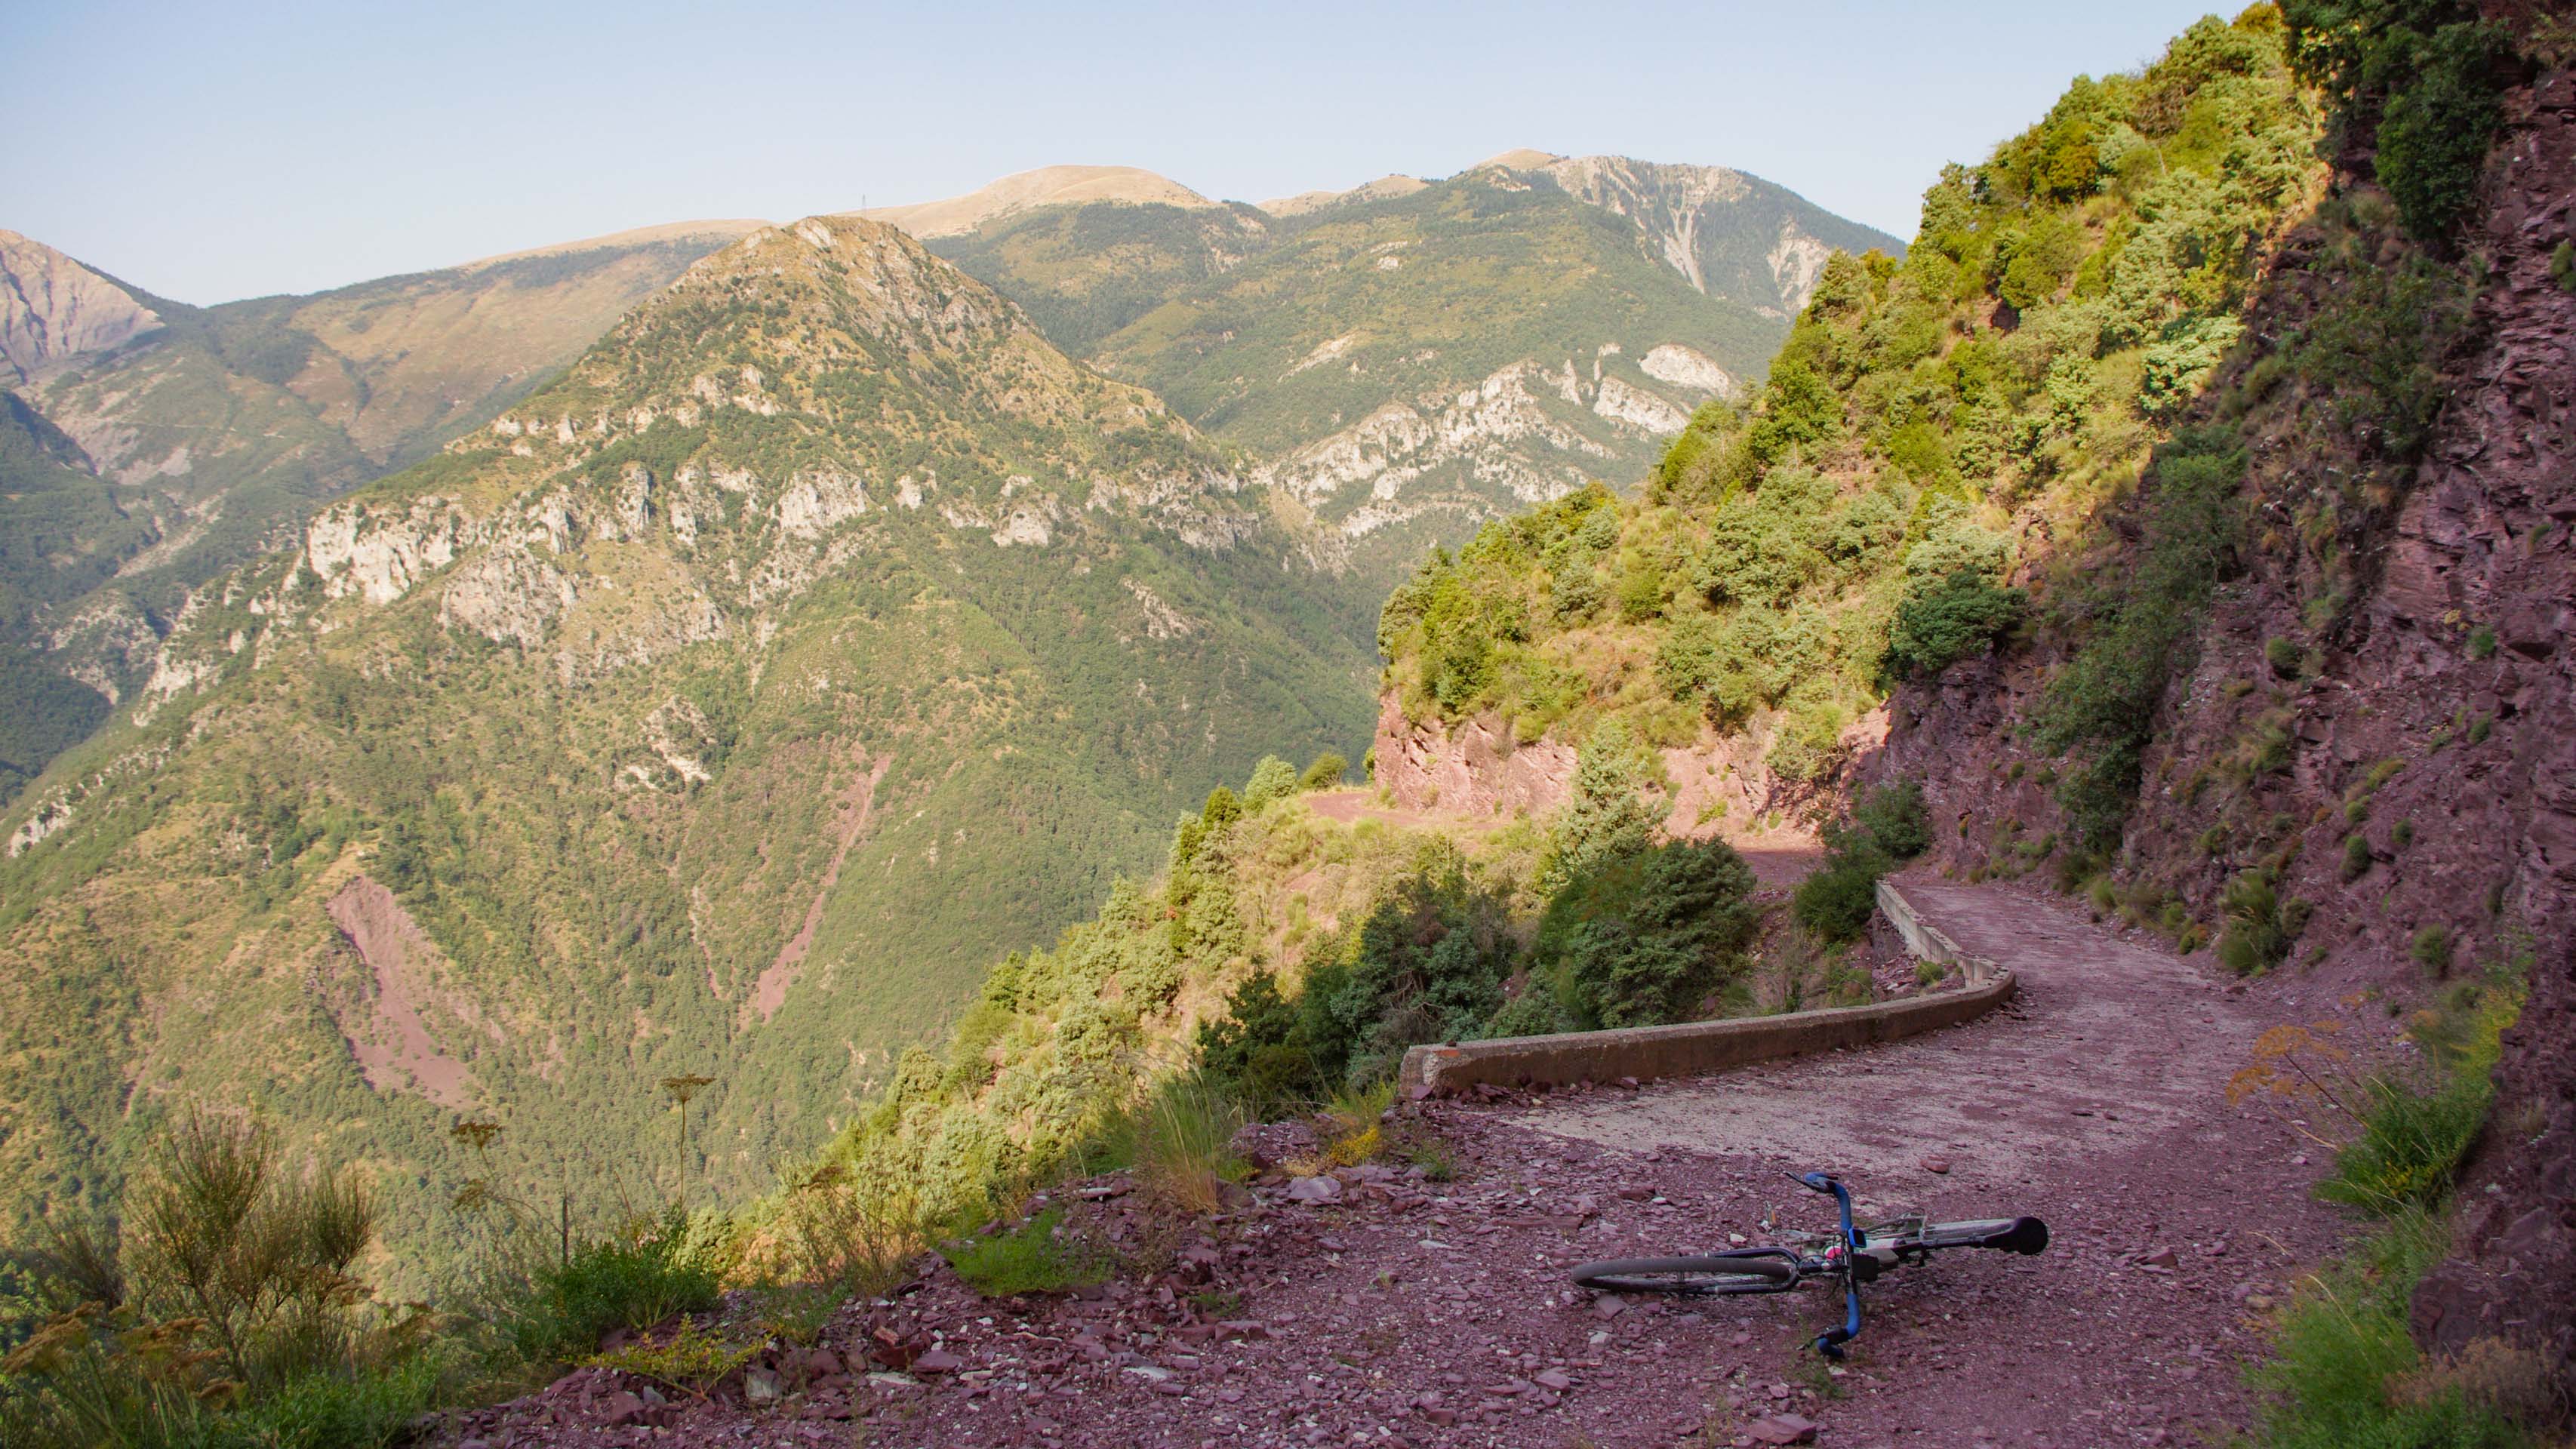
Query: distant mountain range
[
  {"x": 1400, "y": 361},
  {"x": 761, "y": 628}
]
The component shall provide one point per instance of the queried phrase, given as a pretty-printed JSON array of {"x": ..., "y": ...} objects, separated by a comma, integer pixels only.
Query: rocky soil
[{"x": 1428, "y": 1302}]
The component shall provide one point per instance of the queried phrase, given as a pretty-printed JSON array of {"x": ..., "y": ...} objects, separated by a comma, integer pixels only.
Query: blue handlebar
[{"x": 1830, "y": 1343}]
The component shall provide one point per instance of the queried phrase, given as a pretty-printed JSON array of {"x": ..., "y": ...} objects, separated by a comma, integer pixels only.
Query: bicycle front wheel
[{"x": 1750, "y": 1270}]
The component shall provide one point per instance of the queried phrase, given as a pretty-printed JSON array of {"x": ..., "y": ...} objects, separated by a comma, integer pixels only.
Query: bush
[
  {"x": 2433, "y": 72},
  {"x": 2415, "y": 1133},
  {"x": 656, "y": 1268},
  {"x": 1326, "y": 773},
  {"x": 1426, "y": 964},
  {"x": 2432, "y": 949},
  {"x": 2346, "y": 1364},
  {"x": 2141, "y": 627},
  {"x": 1941, "y": 623},
  {"x": 1887, "y": 827},
  {"x": 2255, "y": 937},
  {"x": 1272, "y": 779},
  {"x": 1532, "y": 1013},
  {"x": 2283, "y": 657},
  {"x": 226, "y": 1313},
  {"x": 691, "y": 1360},
  {"x": 2437, "y": 126},
  {"x": 1641, "y": 936},
  {"x": 1185, "y": 1144},
  {"x": 2356, "y": 857},
  {"x": 1835, "y": 901},
  {"x": 1256, "y": 1051}
]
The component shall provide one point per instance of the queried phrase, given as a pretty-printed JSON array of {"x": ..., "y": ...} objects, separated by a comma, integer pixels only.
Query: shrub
[
  {"x": 227, "y": 1312},
  {"x": 2414, "y": 1134},
  {"x": 1272, "y": 779},
  {"x": 2433, "y": 71},
  {"x": 854, "y": 1222},
  {"x": 2432, "y": 949},
  {"x": 1894, "y": 816},
  {"x": 2356, "y": 857},
  {"x": 2346, "y": 1363},
  {"x": 1532, "y": 1013},
  {"x": 2482, "y": 642},
  {"x": 1185, "y": 1145},
  {"x": 1426, "y": 964},
  {"x": 1255, "y": 1051},
  {"x": 2105, "y": 701},
  {"x": 2254, "y": 938},
  {"x": 2283, "y": 657},
  {"x": 1326, "y": 773},
  {"x": 1941, "y": 623},
  {"x": 1037, "y": 1256},
  {"x": 1641, "y": 936},
  {"x": 2562, "y": 266},
  {"x": 1887, "y": 826},
  {"x": 2435, "y": 130},
  {"x": 635, "y": 1279},
  {"x": 692, "y": 1360}
]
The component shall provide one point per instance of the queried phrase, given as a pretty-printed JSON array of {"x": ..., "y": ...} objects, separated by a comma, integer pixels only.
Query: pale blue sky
[{"x": 209, "y": 152}]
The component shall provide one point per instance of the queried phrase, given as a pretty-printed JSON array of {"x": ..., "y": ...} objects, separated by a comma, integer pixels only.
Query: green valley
[{"x": 721, "y": 709}]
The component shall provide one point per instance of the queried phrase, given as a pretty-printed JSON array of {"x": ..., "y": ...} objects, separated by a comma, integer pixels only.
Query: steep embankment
[
  {"x": 723, "y": 708},
  {"x": 2362, "y": 769}
]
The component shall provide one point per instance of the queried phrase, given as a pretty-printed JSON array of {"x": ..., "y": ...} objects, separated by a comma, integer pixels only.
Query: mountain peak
[
  {"x": 1521, "y": 158},
  {"x": 1029, "y": 190},
  {"x": 1384, "y": 188},
  {"x": 53, "y": 309}
]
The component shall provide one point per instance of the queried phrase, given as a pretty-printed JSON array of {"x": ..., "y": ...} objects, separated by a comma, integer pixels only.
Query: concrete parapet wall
[{"x": 1695, "y": 1047}]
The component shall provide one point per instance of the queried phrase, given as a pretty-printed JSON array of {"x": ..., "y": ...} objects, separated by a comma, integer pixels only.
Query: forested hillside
[
  {"x": 722, "y": 709},
  {"x": 1885, "y": 508},
  {"x": 197, "y": 437}
]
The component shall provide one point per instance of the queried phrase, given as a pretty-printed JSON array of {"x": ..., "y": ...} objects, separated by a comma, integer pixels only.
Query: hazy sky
[{"x": 208, "y": 152}]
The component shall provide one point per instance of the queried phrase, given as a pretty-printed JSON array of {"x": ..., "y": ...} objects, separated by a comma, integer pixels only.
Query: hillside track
[{"x": 1409, "y": 1310}]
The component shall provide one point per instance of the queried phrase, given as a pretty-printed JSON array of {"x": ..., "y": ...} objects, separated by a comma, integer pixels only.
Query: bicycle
[{"x": 1851, "y": 1257}]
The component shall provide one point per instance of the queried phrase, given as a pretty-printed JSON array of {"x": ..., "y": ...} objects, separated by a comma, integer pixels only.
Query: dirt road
[{"x": 1414, "y": 1311}]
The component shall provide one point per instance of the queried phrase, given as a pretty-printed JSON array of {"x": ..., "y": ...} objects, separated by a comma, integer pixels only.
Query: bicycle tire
[{"x": 1750, "y": 1270}]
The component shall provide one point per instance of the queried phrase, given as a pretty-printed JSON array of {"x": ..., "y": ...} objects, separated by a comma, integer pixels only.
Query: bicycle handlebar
[{"x": 1830, "y": 1343}]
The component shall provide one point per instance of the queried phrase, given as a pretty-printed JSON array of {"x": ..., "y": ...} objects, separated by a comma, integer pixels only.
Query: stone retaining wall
[{"x": 1695, "y": 1047}]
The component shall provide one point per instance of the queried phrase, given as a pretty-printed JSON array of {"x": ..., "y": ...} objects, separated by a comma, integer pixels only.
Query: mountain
[
  {"x": 209, "y": 432},
  {"x": 1032, "y": 190},
  {"x": 1410, "y": 358},
  {"x": 721, "y": 707}
]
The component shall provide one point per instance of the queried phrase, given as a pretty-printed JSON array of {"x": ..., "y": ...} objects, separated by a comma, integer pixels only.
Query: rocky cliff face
[
  {"x": 1731, "y": 235},
  {"x": 2411, "y": 754},
  {"x": 1714, "y": 788}
]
